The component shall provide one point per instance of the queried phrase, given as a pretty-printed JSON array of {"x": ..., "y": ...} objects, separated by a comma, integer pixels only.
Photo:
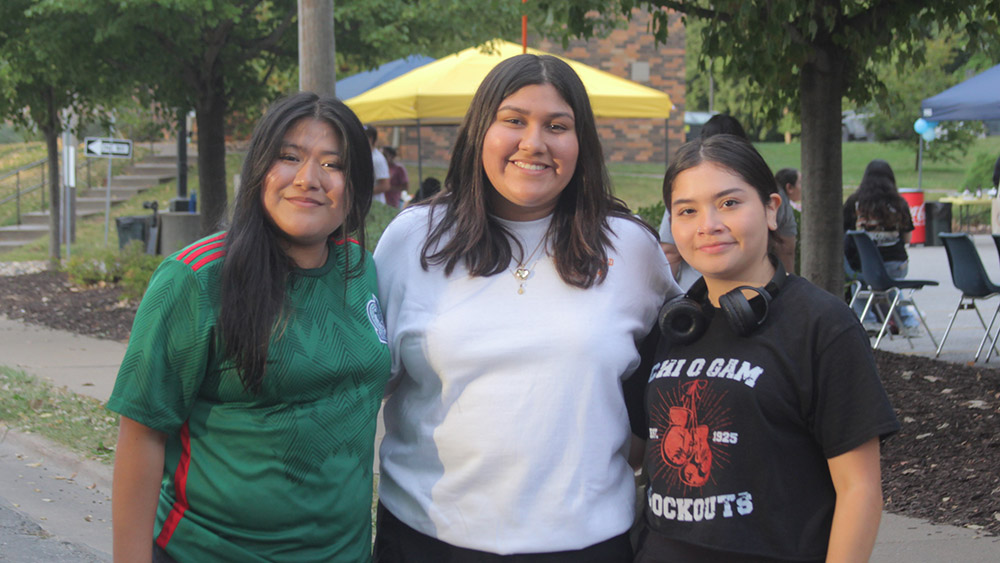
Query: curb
[{"x": 86, "y": 470}]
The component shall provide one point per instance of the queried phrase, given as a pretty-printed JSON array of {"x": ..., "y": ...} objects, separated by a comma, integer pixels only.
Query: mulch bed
[{"x": 943, "y": 466}]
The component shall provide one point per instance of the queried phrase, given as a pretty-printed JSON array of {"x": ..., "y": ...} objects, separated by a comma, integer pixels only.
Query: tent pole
[
  {"x": 920, "y": 164},
  {"x": 666, "y": 141},
  {"x": 420, "y": 158}
]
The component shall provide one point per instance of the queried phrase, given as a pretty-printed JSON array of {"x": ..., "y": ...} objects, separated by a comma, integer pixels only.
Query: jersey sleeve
[
  {"x": 850, "y": 404},
  {"x": 168, "y": 350}
]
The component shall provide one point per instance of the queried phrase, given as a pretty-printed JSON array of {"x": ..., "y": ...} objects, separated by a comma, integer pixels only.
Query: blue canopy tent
[
  {"x": 976, "y": 99},
  {"x": 364, "y": 81}
]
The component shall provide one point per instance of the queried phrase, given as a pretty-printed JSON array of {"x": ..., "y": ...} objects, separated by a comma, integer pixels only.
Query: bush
[
  {"x": 130, "y": 268},
  {"x": 652, "y": 214},
  {"x": 979, "y": 176}
]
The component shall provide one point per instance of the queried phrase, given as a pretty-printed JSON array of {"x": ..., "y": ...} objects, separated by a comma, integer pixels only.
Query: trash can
[
  {"x": 915, "y": 199},
  {"x": 133, "y": 227},
  {"x": 938, "y": 219}
]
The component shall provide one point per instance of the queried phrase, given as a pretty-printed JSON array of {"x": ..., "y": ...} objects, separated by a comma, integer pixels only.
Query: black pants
[{"x": 395, "y": 542}]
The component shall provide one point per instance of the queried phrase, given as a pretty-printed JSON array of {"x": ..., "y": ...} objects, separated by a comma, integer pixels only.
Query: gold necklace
[{"x": 523, "y": 270}]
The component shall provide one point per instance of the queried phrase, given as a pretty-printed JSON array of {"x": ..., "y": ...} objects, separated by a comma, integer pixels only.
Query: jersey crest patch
[{"x": 374, "y": 311}]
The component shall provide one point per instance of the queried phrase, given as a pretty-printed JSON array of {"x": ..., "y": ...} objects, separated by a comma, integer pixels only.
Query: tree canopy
[
  {"x": 48, "y": 64},
  {"x": 807, "y": 56}
]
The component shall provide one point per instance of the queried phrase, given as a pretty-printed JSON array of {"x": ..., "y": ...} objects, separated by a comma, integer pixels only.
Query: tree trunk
[
  {"x": 51, "y": 131},
  {"x": 821, "y": 90},
  {"x": 317, "y": 64},
  {"x": 210, "y": 114}
]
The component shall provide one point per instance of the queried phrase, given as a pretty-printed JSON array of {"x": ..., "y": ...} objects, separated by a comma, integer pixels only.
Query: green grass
[
  {"x": 641, "y": 184},
  {"x": 80, "y": 424}
]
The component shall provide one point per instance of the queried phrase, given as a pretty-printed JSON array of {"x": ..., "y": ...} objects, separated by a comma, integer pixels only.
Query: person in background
[
  {"x": 428, "y": 188},
  {"x": 399, "y": 181},
  {"x": 785, "y": 236},
  {"x": 256, "y": 366},
  {"x": 789, "y": 180},
  {"x": 878, "y": 209},
  {"x": 514, "y": 301},
  {"x": 761, "y": 403},
  {"x": 379, "y": 164}
]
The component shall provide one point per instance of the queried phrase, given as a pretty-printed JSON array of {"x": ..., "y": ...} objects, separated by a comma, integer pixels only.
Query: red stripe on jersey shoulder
[
  {"x": 180, "y": 490},
  {"x": 204, "y": 251},
  {"x": 341, "y": 242}
]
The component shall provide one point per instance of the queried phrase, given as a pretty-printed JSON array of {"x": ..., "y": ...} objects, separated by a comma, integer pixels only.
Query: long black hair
[
  {"x": 579, "y": 229},
  {"x": 878, "y": 199},
  {"x": 257, "y": 271}
]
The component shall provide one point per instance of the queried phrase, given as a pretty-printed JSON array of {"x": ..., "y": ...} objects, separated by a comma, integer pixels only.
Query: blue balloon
[
  {"x": 928, "y": 135},
  {"x": 920, "y": 125}
]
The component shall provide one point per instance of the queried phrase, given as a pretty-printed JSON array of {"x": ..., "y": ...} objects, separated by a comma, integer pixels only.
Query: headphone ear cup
[
  {"x": 738, "y": 312},
  {"x": 682, "y": 320}
]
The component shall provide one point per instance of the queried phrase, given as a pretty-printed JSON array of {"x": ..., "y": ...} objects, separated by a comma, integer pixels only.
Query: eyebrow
[
  {"x": 286, "y": 145},
  {"x": 526, "y": 112},
  {"x": 722, "y": 193}
]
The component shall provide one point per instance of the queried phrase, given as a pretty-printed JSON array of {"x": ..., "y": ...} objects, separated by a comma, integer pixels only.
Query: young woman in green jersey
[{"x": 256, "y": 365}]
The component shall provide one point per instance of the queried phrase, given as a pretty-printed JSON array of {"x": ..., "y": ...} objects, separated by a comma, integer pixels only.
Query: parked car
[{"x": 852, "y": 127}]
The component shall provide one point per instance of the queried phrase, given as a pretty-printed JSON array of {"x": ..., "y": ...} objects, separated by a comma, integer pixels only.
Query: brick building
[{"x": 629, "y": 53}]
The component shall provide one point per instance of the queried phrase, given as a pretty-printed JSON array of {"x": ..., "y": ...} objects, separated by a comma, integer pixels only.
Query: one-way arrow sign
[{"x": 111, "y": 148}]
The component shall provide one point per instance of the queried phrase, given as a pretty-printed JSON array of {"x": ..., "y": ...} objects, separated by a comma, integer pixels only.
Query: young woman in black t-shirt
[{"x": 760, "y": 403}]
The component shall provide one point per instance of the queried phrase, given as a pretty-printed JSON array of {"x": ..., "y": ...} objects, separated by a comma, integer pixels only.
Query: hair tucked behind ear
[
  {"x": 579, "y": 230},
  {"x": 257, "y": 271}
]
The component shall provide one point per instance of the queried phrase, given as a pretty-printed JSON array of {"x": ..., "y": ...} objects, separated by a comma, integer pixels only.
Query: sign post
[{"x": 95, "y": 147}]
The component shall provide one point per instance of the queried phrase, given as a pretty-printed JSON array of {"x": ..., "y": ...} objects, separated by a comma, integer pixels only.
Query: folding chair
[
  {"x": 969, "y": 277},
  {"x": 883, "y": 287}
]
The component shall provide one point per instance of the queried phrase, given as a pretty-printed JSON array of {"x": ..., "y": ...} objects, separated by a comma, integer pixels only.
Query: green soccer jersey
[{"x": 283, "y": 475}]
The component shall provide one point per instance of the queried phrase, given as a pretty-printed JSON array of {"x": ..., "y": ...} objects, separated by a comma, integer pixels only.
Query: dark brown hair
[{"x": 257, "y": 271}]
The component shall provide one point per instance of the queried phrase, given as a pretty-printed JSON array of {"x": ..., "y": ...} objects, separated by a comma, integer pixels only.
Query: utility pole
[{"x": 317, "y": 65}]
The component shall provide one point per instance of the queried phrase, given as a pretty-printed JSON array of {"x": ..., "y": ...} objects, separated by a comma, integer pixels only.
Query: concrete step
[
  {"x": 116, "y": 192},
  {"x": 151, "y": 169},
  {"x": 11, "y": 244},
  {"x": 35, "y": 218},
  {"x": 147, "y": 179},
  {"x": 23, "y": 233},
  {"x": 84, "y": 204},
  {"x": 171, "y": 158}
]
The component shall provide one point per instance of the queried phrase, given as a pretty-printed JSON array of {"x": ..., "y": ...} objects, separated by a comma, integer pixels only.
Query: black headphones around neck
[{"x": 683, "y": 320}]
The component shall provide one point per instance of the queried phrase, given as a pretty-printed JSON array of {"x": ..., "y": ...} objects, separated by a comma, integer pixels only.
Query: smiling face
[
  {"x": 530, "y": 152},
  {"x": 721, "y": 227},
  {"x": 304, "y": 191}
]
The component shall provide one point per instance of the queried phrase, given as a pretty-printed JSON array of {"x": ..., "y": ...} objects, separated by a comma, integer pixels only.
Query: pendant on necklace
[
  {"x": 522, "y": 274},
  {"x": 520, "y": 290}
]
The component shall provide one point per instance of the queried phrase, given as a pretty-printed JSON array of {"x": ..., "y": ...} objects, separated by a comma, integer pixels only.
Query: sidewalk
[{"x": 88, "y": 366}]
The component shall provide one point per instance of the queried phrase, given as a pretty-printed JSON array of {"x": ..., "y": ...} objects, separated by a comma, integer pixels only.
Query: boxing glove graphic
[
  {"x": 677, "y": 444},
  {"x": 695, "y": 473}
]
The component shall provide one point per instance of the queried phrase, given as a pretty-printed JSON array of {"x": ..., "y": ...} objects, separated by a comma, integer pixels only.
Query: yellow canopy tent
[{"x": 440, "y": 92}]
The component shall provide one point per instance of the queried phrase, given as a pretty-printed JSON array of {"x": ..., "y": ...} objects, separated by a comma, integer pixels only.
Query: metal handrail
[
  {"x": 23, "y": 168},
  {"x": 18, "y": 191}
]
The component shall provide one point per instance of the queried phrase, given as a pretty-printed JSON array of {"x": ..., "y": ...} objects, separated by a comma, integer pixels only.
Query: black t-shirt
[{"x": 739, "y": 429}]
